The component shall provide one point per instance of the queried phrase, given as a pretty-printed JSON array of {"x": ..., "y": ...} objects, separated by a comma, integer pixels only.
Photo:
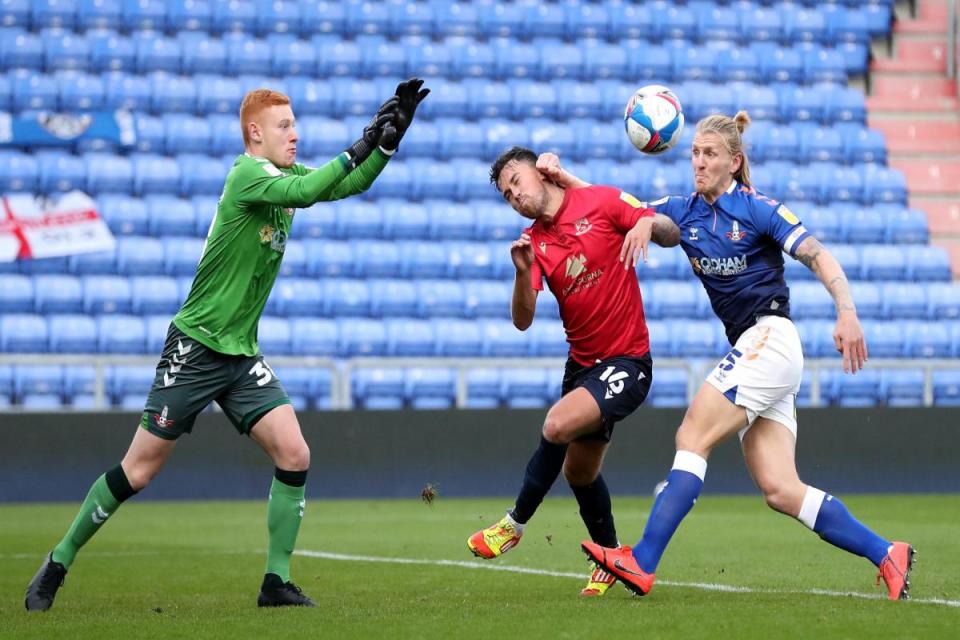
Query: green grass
[{"x": 192, "y": 570}]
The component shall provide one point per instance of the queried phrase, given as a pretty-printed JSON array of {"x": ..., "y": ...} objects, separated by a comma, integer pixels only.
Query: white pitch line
[{"x": 704, "y": 586}]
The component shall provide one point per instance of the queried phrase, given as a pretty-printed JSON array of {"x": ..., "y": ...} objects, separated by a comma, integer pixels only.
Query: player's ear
[
  {"x": 255, "y": 134},
  {"x": 737, "y": 162}
]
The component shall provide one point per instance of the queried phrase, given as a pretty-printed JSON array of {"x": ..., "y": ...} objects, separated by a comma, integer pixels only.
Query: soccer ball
[{"x": 653, "y": 119}]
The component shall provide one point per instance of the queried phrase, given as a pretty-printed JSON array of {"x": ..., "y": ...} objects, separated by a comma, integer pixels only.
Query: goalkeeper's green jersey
[{"x": 245, "y": 244}]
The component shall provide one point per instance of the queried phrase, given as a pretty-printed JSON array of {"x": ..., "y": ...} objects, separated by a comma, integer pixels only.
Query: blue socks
[
  {"x": 542, "y": 470},
  {"x": 670, "y": 508},
  {"x": 597, "y": 512},
  {"x": 829, "y": 518}
]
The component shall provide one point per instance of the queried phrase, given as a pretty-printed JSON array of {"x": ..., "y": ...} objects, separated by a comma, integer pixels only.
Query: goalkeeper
[{"x": 211, "y": 350}]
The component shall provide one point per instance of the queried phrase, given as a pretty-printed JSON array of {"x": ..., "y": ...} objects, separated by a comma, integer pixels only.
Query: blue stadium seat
[
  {"x": 155, "y": 174},
  {"x": 669, "y": 388},
  {"x": 778, "y": 64},
  {"x": 151, "y": 134},
  {"x": 407, "y": 337},
  {"x": 64, "y": 50},
  {"x": 927, "y": 339},
  {"x": 943, "y": 301},
  {"x": 157, "y": 53},
  {"x": 15, "y": 13},
  {"x": 472, "y": 260},
  {"x": 927, "y": 263},
  {"x": 403, "y": 220},
  {"x": 883, "y": 184},
  {"x": 357, "y": 219},
  {"x": 474, "y": 60},
  {"x": 17, "y": 293},
  {"x": 21, "y": 50},
  {"x": 502, "y": 20},
  {"x": 533, "y": 99},
  {"x": 40, "y": 402},
  {"x": 393, "y": 298},
  {"x": 663, "y": 264},
  {"x": 809, "y": 300},
  {"x": 379, "y": 388},
  {"x": 181, "y": 255},
  {"x": 362, "y": 337},
  {"x": 199, "y": 175},
  {"x": 903, "y": 301},
  {"x": 450, "y": 221},
  {"x": 80, "y": 92},
  {"x": 800, "y": 103},
  {"x": 865, "y": 145},
  {"x": 110, "y": 51},
  {"x": 502, "y": 339},
  {"x": 37, "y": 380},
  {"x": 233, "y": 15},
  {"x": 672, "y": 298},
  {"x": 22, "y": 332},
  {"x": 870, "y": 299},
  {"x": 488, "y": 99},
  {"x": 6, "y": 385},
  {"x": 345, "y": 297},
  {"x": 459, "y": 139},
  {"x": 294, "y": 258},
  {"x": 526, "y": 387},
  {"x": 330, "y": 258},
  {"x": 547, "y": 337},
  {"x": 71, "y": 333},
  {"x": 884, "y": 339},
  {"x": 129, "y": 92},
  {"x": 297, "y": 297},
  {"x": 487, "y": 298},
  {"x": 861, "y": 226},
  {"x": 693, "y": 338},
  {"x": 294, "y": 58},
  {"x": 57, "y": 294},
  {"x": 18, "y": 172},
  {"x": 274, "y": 336},
  {"x": 170, "y": 216},
  {"x": 106, "y": 294},
  {"x": 154, "y": 295},
  {"x": 158, "y": 326},
  {"x": 185, "y": 134},
  {"x": 172, "y": 93},
  {"x": 32, "y": 91},
  {"x": 844, "y": 104},
  {"x": 883, "y": 262},
  {"x": 139, "y": 256},
  {"x": 128, "y": 382},
  {"x": 79, "y": 380},
  {"x": 694, "y": 63},
  {"x": 457, "y": 337},
  {"x": 675, "y": 22},
  {"x": 861, "y": 390},
  {"x": 906, "y": 226},
  {"x": 946, "y": 387},
  {"x": 547, "y": 306},
  {"x": 824, "y": 65},
  {"x": 121, "y": 334},
  {"x": 902, "y": 387},
  {"x": 315, "y": 336},
  {"x": 108, "y": 173},
  {"x": 483, "y": 388},
  {"x": 124, "y": 215},
  {"x": 440, "y": 298},
  {"x": 378, "y": 259},
  {"x": 146, "y": 14},
  {"x": 661, "y": 344},
  {"x": 816, "y": 336},
  {"x": 430, "y": 388},
  {"x": 823, "y": 224},
  {"x": 717, "y": 24},
  {"x": 424, "y": 259}
]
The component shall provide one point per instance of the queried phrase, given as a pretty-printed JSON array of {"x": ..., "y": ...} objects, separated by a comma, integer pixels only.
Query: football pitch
[{"x": 401, "y": 569}]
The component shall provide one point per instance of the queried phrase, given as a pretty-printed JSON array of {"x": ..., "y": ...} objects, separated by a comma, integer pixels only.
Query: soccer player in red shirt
[{"x": 585, "y": 243}]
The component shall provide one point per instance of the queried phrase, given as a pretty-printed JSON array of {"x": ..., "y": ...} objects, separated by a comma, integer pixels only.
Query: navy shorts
[{"x": 619, "y": 385}]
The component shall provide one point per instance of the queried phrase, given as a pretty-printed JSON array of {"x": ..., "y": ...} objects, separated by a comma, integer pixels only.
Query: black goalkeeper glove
[
  {"x": 409, "y": 96},
  {"x": 372, "y": 133}
]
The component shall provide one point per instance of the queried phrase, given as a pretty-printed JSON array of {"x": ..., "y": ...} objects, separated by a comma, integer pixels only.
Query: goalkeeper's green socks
[
  {"x": 106, "y": 494},
  {"x": 284, "y": 515}
]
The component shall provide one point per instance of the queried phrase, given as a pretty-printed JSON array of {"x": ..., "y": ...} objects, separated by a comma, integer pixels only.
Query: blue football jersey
[{"x": 735, "y": 247}]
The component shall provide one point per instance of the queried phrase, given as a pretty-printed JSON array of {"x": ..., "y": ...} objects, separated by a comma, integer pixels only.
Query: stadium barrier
[{"x": 55, "y": 456}]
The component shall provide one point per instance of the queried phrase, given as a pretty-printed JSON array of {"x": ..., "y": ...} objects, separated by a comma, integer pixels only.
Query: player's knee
[
  {"x": 296, "y": 457},
  {"x": 140, "y": 475},
  {"x": 555, "y": 431},
  {"x": 780, "y": 497},
  {"x": 578, "y": 476}
]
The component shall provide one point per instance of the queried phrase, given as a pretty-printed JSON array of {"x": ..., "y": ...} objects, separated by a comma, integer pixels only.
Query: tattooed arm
[{"x": 848, "y": 334}]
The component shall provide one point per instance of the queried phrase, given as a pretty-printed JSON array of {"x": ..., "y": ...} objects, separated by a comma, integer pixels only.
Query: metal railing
[{"x": 342, "y": 371}]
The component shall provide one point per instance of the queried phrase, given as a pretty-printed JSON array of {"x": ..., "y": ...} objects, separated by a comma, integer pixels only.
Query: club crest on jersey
[
  {"x": 735, "y": 234},
  {"x": 266, "y": 234},
  {"x": 576, "y": 265},
  {"x": 279, "y": 241},
  {"x": 582, "y": 226},
  {"x": 693, "y": 237}
]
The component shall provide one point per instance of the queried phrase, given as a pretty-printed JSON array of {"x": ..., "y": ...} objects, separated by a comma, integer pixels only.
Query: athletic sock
[
  {"x": 829, "y": 518},
  {"x": 284, "y": 515},
  {"x": 674, "y": 502},
  {"x": 597, "y": 512},
  {"x": 544, "y": 467},
  {"x": 106, "y": 494}
]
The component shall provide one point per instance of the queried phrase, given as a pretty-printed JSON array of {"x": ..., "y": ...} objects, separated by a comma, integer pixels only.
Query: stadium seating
[{"x": 419, "y": 265}]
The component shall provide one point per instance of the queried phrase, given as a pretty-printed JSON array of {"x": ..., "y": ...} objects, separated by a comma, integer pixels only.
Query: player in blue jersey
[{"x": 734, "y": 237}]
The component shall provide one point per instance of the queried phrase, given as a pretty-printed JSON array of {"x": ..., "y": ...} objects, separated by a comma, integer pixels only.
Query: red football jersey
[{"x": 578, "y": 253}]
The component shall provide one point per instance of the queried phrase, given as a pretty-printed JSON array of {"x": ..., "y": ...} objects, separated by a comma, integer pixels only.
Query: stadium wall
[{"x": 55, "y": 457}]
